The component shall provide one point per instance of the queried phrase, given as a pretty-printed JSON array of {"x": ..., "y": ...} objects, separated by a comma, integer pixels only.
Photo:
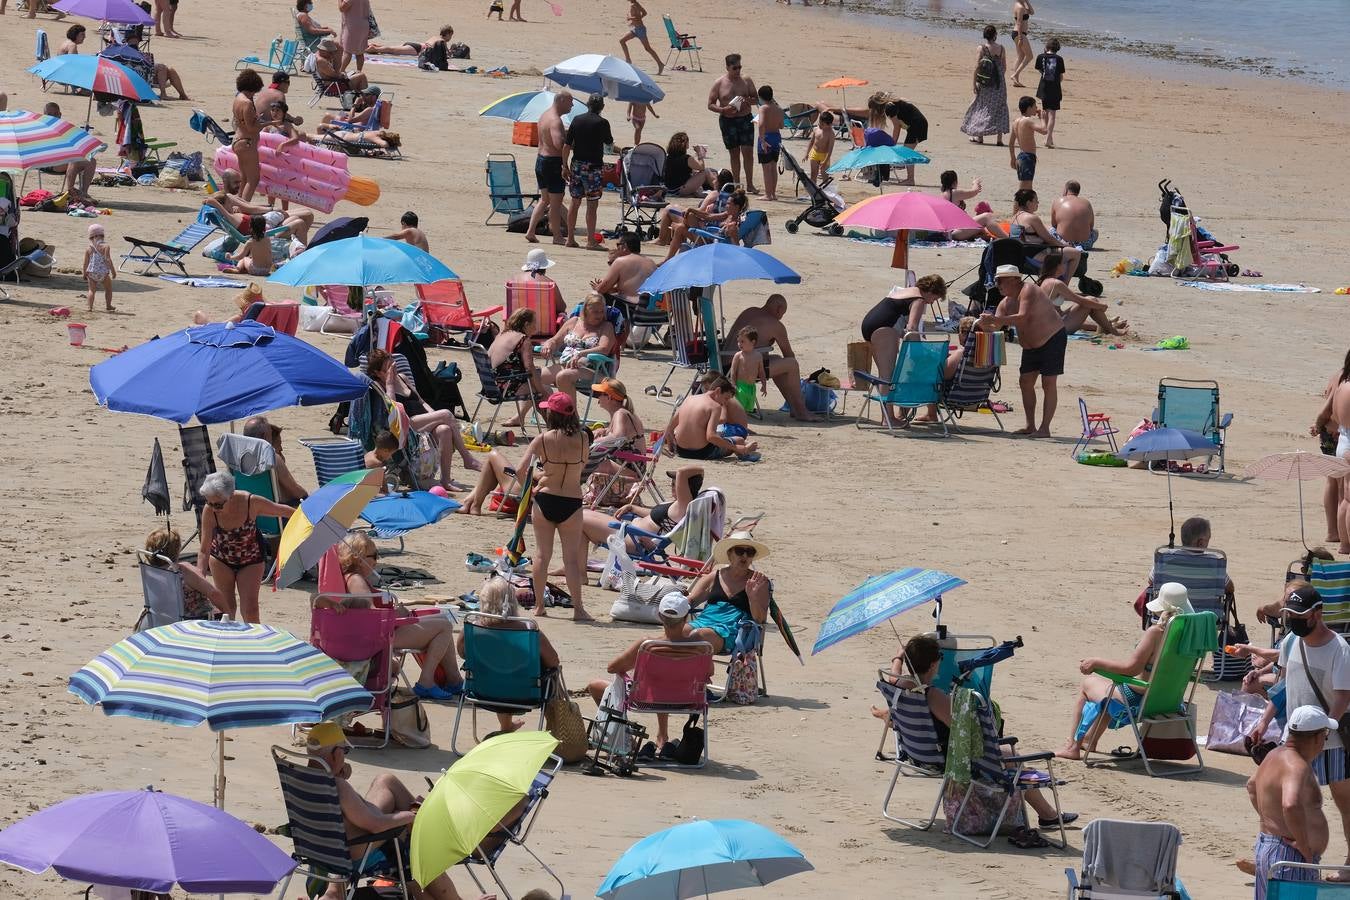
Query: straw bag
[
  {"x": 408, "y": 722},
  {"x": 562, "y": 718}
]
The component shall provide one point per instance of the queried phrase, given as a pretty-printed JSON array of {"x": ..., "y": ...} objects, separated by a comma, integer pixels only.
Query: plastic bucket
[{"x": 76, "y": 330}]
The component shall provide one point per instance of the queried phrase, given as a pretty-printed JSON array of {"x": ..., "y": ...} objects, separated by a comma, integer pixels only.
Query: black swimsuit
[{"x": 555, "y": 508}]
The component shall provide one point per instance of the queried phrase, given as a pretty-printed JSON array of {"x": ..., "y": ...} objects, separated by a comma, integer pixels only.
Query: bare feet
[
  {"x": 1024, "y": 431},
  {"x": 531, "y": 239},
  {"x": 471, "y": 508},
  {"x": 1245, "y": 866},
  {"x": 574, "y": 245},
  {"x": 539, "y": 611},
  {"x": 560, "y": 242},
  {"x": 806, "y": 417},
  {"x": 1050, "y": 144},
  {"x": 923, "y": 420},
  {"x": 907, "y": 181},
  {"x": 110, "y": 308},
  {"x": 771, "y": 197},
  {"x": 883, "y": 714},
  {"x": 1070, "y": 750},
  {"x": 580, "y": 615},
  {"x": 1041, "y": 432},
  {"x": 471, "y": 462}
]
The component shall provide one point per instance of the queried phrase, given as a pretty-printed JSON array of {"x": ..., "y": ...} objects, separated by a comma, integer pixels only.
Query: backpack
[{"x": 986, "y": 70}]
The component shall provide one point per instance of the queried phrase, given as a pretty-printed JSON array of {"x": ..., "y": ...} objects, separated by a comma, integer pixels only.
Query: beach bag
[
  {"x": 1228, "y": 667},
  {"x": 1235, "y": 714},
  {"x": 408, "y": 722},
  {"x": 743, "y": 678},
  {"x": 610, "y": 734},
  {"x": 374, "y": 26},
  {"x": 689, "y": 748},
  {"x": 562, "y": 719},
  {"x": 1171, "y": 738},
  {"x": 817, "y": 398},
  {"x": 986, "y": 70},
  {"x": 990, "y": 349},
  {"x": 459, "y": 51},
  {"x": 983, "y": 808},
  {"x": 859, "y": 357},
  {"x": 312, "y": 318}
]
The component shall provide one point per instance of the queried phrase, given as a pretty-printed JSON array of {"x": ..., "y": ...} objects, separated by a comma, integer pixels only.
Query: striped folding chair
[
  {"x": 334, "y": 456},
  {"x": 688, "y": 345},
  {"x": 198, "y": 462},
  {"x": 1332, "y": 581},
  {"x": 917, "y": 752},
  {"x": 1204, "y": 574}
]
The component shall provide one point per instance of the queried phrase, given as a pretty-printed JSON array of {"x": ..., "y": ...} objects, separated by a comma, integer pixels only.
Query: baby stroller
[
  {"x": 642, "y": 190},
  {"x": 1208, "y": 254},
  {"x": 823, "y": 206}
]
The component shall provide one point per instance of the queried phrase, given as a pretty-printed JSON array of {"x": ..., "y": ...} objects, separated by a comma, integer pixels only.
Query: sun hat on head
[
  {"x": 1007, "y": 272},
  {"x": 722, "y": 549},
  {"x": 328, "y": 45},
  {"x": 1171, "y": 597},
  {"x": 536, "y": 260},
  {"x": 674, "y": 605},
  {"x": 325, "y": 736},
  {"x": 559, "y": 402},
  {"x": 96, "y": 230}
]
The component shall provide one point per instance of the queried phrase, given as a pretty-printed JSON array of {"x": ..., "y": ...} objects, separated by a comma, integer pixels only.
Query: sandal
[
  {"x": 650, "y": 390},
  {"x": 1027, "y": 839},
  {"x": 1123, "y": 752}
]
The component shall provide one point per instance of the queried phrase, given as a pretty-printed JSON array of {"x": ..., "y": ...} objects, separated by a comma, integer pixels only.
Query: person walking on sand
[
  {"x": 1288, "y": 801},
  {"x": 548, "y": 170},
  {"x": 770, "y": 142},
  {"x": 355, "y": 31},
  {"x": 1024, "y": 132},
  {"x": 98, "y": 268},
  {"x": 1044, "y": 342},
  {"x": 988, "y": 112},
  {"x": 732, "y": 97},
  {"x": 515, "y": 15},
  {"x": 636, "y": 29},
  {"x": 1050, "y": 91},
  {"x": 1022, "y": 13}
]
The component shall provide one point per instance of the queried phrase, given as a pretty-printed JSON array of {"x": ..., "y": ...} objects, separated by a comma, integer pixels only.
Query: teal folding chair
[
  {"x": 915, "y": 383},
  {"x": 1302, "y": 881},
  {"x": 1194, "y": 406},
  {"x": 503, "y": 181},
  {"x": 682, "y": 44},
  {"x": 280, "y": 58},
  {"x": 502, "y": 670}
]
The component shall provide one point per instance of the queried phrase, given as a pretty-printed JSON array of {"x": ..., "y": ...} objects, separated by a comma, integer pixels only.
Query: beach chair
[
  {"x": 1302, "y": 881},
  {"x": 1095, "y": 425},
  {"x": 328, "y": 87},
  {"x": 1332, "y": 581},
  {"x": 280, "y": 58},
  {"x": 642, "y": 189},
  {"x": 503, "y": 183},
  {"x": 686, "y": 44},
  {"x": 502, "y": 670},
  {"x": 970, "y": 390},
  {"x": 162, "y": 587},
  {"x": 799, "y": 119},
  {"x": 916, "y": 383},
  {"x": 198, "y": 462},
  {"x": 361, "y": 640},
  {"x": 254, "y": 478},
  {"x": 41, "y": 256},
  {"x": 1194, "y": 406},
  {"x": 753, "y": 231},
  {"x": 1165, "y": 695},
  {"x": 496, "y": 389},
  {"x": 41, "y": 51},
  {"x": 541, "y": 295},
  {"x": 446, "y": 306},
  {"x": 161, "y": 258},
  {"x": 203, "y": 124},
  {"x": 1123, "y": 859},
  {"x": 672, "y": 678},
  {"x": 334, "y": 456},
  {"x": 517, "y": 833},
  {"x": 641, "y": 468},
  {"x": 283, "y": 318},
  {"x": 318, "y": 831},
  {"x": 1204, "y": 574},
  {"x": 688, "y": 346}
]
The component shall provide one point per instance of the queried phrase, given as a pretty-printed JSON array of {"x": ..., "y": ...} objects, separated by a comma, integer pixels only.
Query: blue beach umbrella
[
  {"x": 593, "y": 73},
  {"x": 715, "y": 264},
  {"x": 94, "y": 73},
  {"x": 863, "y": 157},
  {"x": 528, "y": 106},
  {"x": 878, "y": 599},
  {"x": 394, "y": 515},
  {"x": 221, "y": 372},
  {"x": 1166, "y": 445},
  {"x": 361, "y": 261},
  {"x": 700, "y": 858}
]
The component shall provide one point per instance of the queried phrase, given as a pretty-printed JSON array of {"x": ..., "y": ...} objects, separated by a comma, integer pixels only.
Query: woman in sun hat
[{"x": 732, "y": 592}]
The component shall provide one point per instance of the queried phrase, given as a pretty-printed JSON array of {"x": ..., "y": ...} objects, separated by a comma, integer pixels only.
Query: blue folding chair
[
  {"x": 1302, "y": 881},
  {"x": 1194, "y": 406},
  {"x": 280, "y": 58},
  {"x": 915, "y": 383},
  {"x": 171, "y": 253},
  {"x": 503, "y": 181},
  {"x": 334, "y": 456},
  {"x": 502, "y": 670}
]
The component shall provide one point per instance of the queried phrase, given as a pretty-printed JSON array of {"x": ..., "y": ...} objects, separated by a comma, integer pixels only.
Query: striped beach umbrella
[
  {"x": 94, "y": 73},
  {"x": 29, "y": 140},
  {"x": 878, "y": 599},
  {"x": 322, "y": 520},
  {"x": 225, "y": 674}
]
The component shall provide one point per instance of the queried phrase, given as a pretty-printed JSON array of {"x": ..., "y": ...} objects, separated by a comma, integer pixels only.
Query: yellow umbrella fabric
[
  {"x": 472, "y": 797},
  {"x": 322, "y": 520}
]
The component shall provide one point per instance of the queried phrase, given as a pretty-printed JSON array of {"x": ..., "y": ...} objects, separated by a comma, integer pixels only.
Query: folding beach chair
[
  {"x": 1204, "y": 574},
  {"x": 280, "y": 58},
  {"x": 915, "y": 383},
  {"x": 162, "y": 587},
  {"x": 198, "y": 462},
  {"x": 1123, "y": 859},
  {"x": 361, "y": 640},
  {"x": 1302, "y": 881},
  {"x": 503, "y": 183},
  {"x": 642, "y": 189},
  {"x": 318, "y": 831},
  {"x": 163, "y": 257},
  {"x": 202, "y": 123},
  {"x": 502, "y": 670},
  {"x": 497, "y": 389},
  {"x": 672, "y": 678},
  {"x": 327, "y": 87},
  {"x": 1332, "y": 581},
  {"x": 446, "y": 306},
  {"x": 799, "y": 119},
  {"x": 543, "y": 297},
  {"x": 517, "y": 833},
  {"x": 41, "y": 256},
  {"x": 283, "y": 318},
  {"x": 641, "y": 468},
  {"x": 1165, "y": 696},
  {"x": 1194, "y": 406},
  {"x": 41, "y": 51},
  {"x": 688, "y": 345},
  {"x": 334, "y": 456},
  {"x": 253, "y": 478},
  {"x": 969, "y": 391},
  {"x": 1095, "y": 425},
  {"x": 686, "y": 44}
]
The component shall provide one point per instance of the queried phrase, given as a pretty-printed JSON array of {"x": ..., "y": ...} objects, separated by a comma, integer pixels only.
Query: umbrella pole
[
  {"x": 1171, "y": 519},
  {"x": 220, "y": 770},
  {"x": 89, "y": 111},
  {"x": 900, "y": 258},
  {"x": 1302, "y": 534}
]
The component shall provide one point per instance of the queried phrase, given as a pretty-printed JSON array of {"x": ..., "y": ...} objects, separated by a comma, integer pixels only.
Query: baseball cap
[
  {"x": 560, "y": 403},
  {"x": 1309, "y": 718},
  {"x": 1007, "y": 272},
  {"x": 326, "y": 735},
  {"x": 674, "y": 606},
  {"x": 1302, "y": 600}
]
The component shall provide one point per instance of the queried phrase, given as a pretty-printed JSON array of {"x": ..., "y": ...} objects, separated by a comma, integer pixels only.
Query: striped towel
[{"x": 1332, "y": 580}]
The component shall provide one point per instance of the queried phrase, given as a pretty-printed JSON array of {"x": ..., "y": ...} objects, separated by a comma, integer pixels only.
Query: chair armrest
[
  {"x": 1030, "y": 757},
  {"x": 600, "y": 359},
  {"x": 859, "y": 375},
  {"x": 1129, "y": 680},
  {"x": 1009, "y": 741},
  {"x": 484, "y": 313},
  {"x": 372, "y": 838},
  {"x": 629, "y": 456},
  {"x": 1225, "y": 421},
  {"x": 1073, "y": 881}
]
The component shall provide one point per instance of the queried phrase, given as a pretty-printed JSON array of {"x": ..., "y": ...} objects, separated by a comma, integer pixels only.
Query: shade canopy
[
  {"x": 593, "y": 73},
  {"x": 95, "y": 73},
  {"x": 29, "y": 140}
]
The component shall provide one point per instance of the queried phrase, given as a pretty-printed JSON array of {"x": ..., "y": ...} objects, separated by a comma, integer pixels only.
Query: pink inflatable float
[{"x": 311, "y": 176}]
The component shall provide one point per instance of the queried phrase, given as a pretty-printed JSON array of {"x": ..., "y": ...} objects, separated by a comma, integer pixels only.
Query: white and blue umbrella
[
  {"x": 1166, "y": 445},
  {"x": 593, "y": 73},
  {"x": 879, "y": 598},
  {"x": 528, "y": 106},
  {"x": 699, "y": 858}
]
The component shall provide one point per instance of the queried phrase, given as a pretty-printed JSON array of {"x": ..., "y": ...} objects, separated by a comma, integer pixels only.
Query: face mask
[
  {"x": 1298, "y": 626},
  {"x": 374, "y": 579}
]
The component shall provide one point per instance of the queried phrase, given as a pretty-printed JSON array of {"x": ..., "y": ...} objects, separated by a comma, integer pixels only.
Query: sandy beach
[{"x": 1053, "y": 551}]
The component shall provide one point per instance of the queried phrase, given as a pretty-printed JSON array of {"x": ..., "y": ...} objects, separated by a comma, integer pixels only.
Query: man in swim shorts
[
  {"x": 585, "y": 143},
  {"x": 1072, "y": 218},
  {"x": 694, "y": 428},
  {"x": 770, "y": 140},
  {"x": 548, "y": 170},
  {"x": 733, "y": 97},
  {"x": 1023, "y": 135},
  {"x": 1040, "y": 331}
]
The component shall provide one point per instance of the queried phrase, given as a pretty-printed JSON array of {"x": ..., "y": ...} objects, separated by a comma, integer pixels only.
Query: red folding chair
[{"x": 446, "y": 306}]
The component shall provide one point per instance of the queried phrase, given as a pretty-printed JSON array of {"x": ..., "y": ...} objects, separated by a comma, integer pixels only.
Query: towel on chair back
[
  {"x": 694, "y": 535},
  {"x": 1133, "y": 856},
  {"x": 246, "y": 455}
]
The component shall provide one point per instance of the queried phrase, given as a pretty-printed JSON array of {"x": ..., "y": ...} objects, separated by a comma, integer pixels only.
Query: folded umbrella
[{"x": 156, "y": 487}]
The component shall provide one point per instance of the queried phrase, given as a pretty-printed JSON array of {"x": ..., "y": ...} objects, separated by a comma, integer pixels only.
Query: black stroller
[
  {"x": 821, "y": 210},
  {"x": 1010, "y": 252}
]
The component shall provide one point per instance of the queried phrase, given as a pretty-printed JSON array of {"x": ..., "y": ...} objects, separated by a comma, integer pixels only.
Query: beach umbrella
[
  {"x": 221, "y": 372},
  {"x": 121, "y": 12},
  {"x": 32, "y": 141},
  {"x": 361, "y": 261},
  {"x": 702, "y": 857},
  {"x": 892, "y": 155},
  {"x": 903, "y": 212},
  {"x": 96, "y": 74},
  {"x": 146, "y": 840},
  {"x": 322, "y": 520},
  {"x": 1168, "y": 445},
  {"x": 593, "y": 73},
  {"x": 225, "y": 674},
  {"x": 394, "y": 515},
  {"x": 155, "y": 490},
  {"x": 528, "y": 106},
  {"x": 1299, "y": 466},
  {"x": 338, "y": 229},
  {"x": 842, "y": 84},
  {"x": 716, "y": 264},
  {"x": 473, "y": 795},
  {"x": 879, "y": 598}
]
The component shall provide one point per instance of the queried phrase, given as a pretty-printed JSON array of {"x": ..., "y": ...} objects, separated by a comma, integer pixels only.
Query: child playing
[
  {"x": 637, "y": 114},
  {"x": 747, "y": 367},
  {"x": 821, "y": 145},
  {"x": 411, "y": 233},
  {"x": 770, "y": 139},
  {"x": 636, "y": 29},
  {"x": 255, "y": 256},
  {"x": 386, "y": 445},
  {"x": 1022, "y": 142},
  {"x": 1051, "y": 66},
  {"x": 98, "y": 267},
  {"x": 497, "y": 8}
]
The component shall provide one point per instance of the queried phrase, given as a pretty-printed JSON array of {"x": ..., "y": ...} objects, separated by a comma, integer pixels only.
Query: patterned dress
[{"x": 988, "y": 112}]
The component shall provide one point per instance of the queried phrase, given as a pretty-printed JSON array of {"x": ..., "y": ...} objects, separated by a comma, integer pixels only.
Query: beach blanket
[
  {"x": 209, "y": 281},
  {"x": 406, "y": 62},
  {"x": 1233, "y": 287},
  {"x": 858, "y": 238}
]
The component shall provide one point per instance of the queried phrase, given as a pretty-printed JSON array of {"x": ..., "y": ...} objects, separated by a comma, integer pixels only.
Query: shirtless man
[
  {"x": 1044, "y": 342},
  {"x": 1334, "y": 418},
  {"x": 785, "y": 371},
  {"x": 548, "y": 170},
  {"x": 1288, "y": 801},
  {"x": 1083, "y": 308},
  {"x": 1072, "y": 219},
  {"x": 1024, "y": 132},
  {"x": 628, "y": 268},
  {"x": 732, "y": 97},
  {"x": 269, "y": 100},
  {"x": 693, "y": 428},
  {"x": 410, "y": 233},
  {"x": 328, "y": 66}
]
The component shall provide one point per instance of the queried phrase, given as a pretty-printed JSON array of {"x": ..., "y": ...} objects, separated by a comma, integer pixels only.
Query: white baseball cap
[
  {"x": 1308, "y": 719},
  {"x": 674, "y": 606}
]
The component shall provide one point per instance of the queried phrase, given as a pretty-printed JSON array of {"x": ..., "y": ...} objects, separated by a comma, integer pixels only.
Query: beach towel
[
  {"x": 990, "y": 349},
  {"x": 1232, "y": 287},
  {"x": 1180, "y": 241},
  {"x": 701, "y": 527},
  {"x": 1132, "y": 856},
  {"x": 966, "y": 741},
  {"x": 209, "y": 281},
  {"x": 246, "y": 455},
  {"x": 405, "y": 62}
]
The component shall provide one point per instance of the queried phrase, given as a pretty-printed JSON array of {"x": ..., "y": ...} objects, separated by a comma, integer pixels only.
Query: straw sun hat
[{"x": 722, "y": 549}]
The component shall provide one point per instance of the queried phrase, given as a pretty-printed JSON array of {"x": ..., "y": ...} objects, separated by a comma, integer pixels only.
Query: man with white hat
[
  {"x": 1040, "y": 331},
  {"x": 1287, "y": 800}
]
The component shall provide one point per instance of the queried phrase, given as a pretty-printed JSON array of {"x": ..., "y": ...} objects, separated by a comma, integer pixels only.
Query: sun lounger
[{"x": 161, "y": 257}]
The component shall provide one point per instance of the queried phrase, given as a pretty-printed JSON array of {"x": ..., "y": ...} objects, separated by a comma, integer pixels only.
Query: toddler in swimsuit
[
  {"x": 747, "y": 367},
  {"x": 820, "y": 147},
  {"x": 98, "y": 267}
]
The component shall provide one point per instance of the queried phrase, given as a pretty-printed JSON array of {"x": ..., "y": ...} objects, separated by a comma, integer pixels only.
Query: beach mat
[
  {"x": 1234, "y": 288},
  {"x": 207, "y": 281}
]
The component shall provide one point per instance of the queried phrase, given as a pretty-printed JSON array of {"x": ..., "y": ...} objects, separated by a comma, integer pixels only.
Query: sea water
[{"x": 1304, "y": 39}]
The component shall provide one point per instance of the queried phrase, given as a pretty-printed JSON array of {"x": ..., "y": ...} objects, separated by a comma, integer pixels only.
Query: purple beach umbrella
[
  {"x": 146, "y": 840},
  {"x": 120, "y": 12}
]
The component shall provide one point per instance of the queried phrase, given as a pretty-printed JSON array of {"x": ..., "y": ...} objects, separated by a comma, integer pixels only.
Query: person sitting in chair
[
  {"x": 497, "y": 602},
  {"x": 658, "y": 519},
  {"x": 732, "y": 591},
  {"x": 1195, "y": 535},
  {"x": 238, "y": 213},
  {"x": 201, "y": 599}
]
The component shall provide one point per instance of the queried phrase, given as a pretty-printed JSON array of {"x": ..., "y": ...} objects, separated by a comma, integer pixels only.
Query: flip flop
[{"x": 1028, "y": 839}]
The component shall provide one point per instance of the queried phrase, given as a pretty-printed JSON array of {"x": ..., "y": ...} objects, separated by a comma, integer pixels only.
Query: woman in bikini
[
  {"x": 953, "y": 193},
  {"x": 559, "y": 455},
  {"x": 1022, "y": 13},
  {"x": 231, "y": 544},
  {"x": 246, "y": 130},
  {"x": 579, "y": 337},
  {"x": 438, "y": 423},
  {"x": 512, "y": 357},
  {"x": 1030, "y": 229}
]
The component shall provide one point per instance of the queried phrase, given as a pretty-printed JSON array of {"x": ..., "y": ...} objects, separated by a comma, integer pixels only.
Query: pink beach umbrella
[{"x": 903, "y": 212}]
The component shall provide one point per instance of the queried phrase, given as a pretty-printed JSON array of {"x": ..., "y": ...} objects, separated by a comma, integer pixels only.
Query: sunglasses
[
  {"x": 214, "y": 505},
  {"x": 744, "y": 551}
]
